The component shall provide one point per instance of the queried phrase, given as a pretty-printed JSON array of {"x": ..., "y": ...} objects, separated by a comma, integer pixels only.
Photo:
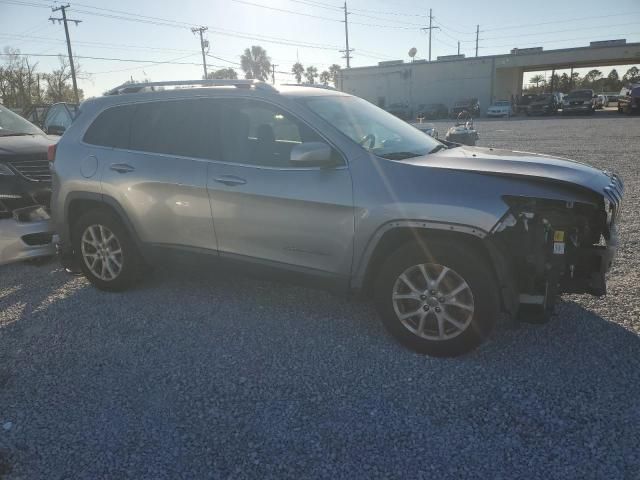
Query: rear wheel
[
  {"x": 440, "y": 300},
  {"x": 105, "y": 251}
]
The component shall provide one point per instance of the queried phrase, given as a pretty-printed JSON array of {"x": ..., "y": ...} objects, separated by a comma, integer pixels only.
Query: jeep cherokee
[{"x": 329, "y": 188}]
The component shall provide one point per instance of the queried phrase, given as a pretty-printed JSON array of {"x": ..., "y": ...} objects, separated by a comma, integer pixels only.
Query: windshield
[
  {"x": 372, "y": 128},
  {"x": 13, "y": 124}
]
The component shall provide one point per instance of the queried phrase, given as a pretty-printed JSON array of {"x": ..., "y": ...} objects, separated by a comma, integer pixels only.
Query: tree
[
  {"x": 334, "y": 70},
  {"x": 565, "y": 83},
  {"x": 298, "y": 71},
  {"x": 632, "y": 75},
  {"x": 325, "y": 77},
  {"x": 311, "y": 73},
  {"x": 19, "y": 82},
  {"x": 537, "y": 79},
  {"x": 255, "y": 63},
  {"x": 612, "y": 83},
  {"x": 592, "y": 78},
  {"x": 58, "y": 87},
  {"x": 223, "y": 74}
]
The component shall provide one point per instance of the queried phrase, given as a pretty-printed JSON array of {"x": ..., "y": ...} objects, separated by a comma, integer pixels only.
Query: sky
[{"x": 311, "y": 31}]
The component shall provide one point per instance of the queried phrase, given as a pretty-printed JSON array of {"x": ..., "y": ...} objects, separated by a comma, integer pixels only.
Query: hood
[
  {"x": 24, "y": 145},
  {"x": 517, "y": 164}
]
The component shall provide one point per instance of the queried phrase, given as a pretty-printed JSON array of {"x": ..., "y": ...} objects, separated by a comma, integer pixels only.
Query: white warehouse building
[{"x": 488, "y": 78}]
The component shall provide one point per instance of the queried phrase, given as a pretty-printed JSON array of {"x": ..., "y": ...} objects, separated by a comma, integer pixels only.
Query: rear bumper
[
  {"x": 27, "y": 235},
  {"x": 577, "y": 108}
]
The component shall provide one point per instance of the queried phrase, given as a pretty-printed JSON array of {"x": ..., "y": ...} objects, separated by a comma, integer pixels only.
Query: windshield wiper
[
  {"x": 437, "y": 148},
  {"x": 399, "y": 155}
]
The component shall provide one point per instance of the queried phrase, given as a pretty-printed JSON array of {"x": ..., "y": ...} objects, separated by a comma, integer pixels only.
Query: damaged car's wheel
[
  {"x": 105, "y": 251},
  {"x": 441, "y": 300}
]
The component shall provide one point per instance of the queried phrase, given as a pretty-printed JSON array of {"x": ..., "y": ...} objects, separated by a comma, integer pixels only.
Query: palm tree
[
  {"x": 537, "y": 79},
  {"x": 298, "y": 71},
  {"x": 325, "y": 78},
  {"x": 311, "y": 73},
  {"x": 334, "y": 70},
  {"x": 256, "y": 63}
]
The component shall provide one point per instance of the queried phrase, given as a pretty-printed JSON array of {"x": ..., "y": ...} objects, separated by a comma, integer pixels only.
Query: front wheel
[
  {"x": 441, "y": 299},
  {"x": 105, "y": 251}
]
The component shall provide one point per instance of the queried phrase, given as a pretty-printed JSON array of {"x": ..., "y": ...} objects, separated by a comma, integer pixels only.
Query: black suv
[{"x": 543, "y": 104}]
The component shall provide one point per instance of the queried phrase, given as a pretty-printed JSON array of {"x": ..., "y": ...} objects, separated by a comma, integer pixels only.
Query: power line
[{"x": 347, "y": 51}]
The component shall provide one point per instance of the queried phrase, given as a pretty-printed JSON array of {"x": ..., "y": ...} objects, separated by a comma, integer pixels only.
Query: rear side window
[
  {"x": 111, "y": 127},
  {"x": 186, "y": 128}
]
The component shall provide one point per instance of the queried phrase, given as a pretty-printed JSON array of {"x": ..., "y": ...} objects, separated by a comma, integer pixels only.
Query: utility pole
[
  {"x": 347, "y": 51},
  {"x": 430, "y": 28},
  {"x": 203, "y": 44},
  {"x": 273, "y": 73},
  {"x": 458, "y": 47},
  {"x": 477, "y": 38},
  {"x": 64, "y": 20}
]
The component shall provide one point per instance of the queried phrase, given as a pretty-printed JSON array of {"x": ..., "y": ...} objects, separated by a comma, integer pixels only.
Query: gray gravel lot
[{"x": 198, "y": 375}]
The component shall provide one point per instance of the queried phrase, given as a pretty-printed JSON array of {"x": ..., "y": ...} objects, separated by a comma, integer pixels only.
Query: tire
[
  {"x": 129, "y": 258},
  {"x": 481, "y": 294}
]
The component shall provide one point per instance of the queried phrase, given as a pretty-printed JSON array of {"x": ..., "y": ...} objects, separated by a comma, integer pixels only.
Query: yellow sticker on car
[{"x": 558, "y": 236}]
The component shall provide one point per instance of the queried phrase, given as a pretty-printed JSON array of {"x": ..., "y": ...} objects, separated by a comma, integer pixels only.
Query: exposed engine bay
[{"x": 556, "y": 247}]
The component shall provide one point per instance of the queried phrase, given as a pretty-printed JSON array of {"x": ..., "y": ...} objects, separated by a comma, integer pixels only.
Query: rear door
[
  {"x": 157, "y": 170},
  {"x": 266, "y": 209}
]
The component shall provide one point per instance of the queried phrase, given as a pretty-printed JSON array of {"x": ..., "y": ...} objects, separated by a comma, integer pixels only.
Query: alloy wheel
[
  {"x": 102, "y": 252},
  {"x": 433, "y": 301}
]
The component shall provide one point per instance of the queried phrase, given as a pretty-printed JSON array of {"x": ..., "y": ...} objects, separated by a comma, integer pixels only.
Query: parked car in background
[
  {"x": 500, "y": 108},
  {"x": 432, "y": 111},
  {"x": 559, "y": 98},
  {"x": 36, "y": 113},
  {"x": 523, "y": 102},
  {"x": 400, "y": 110},
  {"x": 471, "y": 105},
  {"x": 543, "y": 104},
  {"x": 579, "y": 101},
  {"x": 25, "y": 190},
  {"x": 629, "y": 99},
  {"x": 328, "y": 188},
  {"x": 600, "y": 102},
  {"x": 58, "y": 118},
  {"x": 611, "y": 100}
]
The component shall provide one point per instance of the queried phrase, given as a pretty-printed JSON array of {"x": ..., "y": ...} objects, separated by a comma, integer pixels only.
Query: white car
[{"x": 501, "y": 108}]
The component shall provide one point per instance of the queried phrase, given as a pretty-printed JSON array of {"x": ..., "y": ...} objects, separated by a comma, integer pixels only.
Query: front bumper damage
[{"x": 27, "y": 234}]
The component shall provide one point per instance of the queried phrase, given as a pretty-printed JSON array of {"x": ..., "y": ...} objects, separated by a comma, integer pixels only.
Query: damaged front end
[
  {"x": 25, "y": 230},
  {"x": 559, "y": 246}
]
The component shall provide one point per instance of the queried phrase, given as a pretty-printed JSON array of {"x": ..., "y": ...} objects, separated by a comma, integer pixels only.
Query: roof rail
[
  {"x": 312, "y": 85},
  {"x": 154, "y": 86}
]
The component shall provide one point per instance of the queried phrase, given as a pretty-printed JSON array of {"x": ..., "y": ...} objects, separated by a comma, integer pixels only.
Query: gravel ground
[{"x": 204, "y": 376}]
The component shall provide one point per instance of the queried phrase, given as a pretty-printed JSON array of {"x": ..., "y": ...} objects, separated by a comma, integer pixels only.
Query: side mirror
[
  {"x": 311, "y": 154},
  {"x": 55, "y": 130}
]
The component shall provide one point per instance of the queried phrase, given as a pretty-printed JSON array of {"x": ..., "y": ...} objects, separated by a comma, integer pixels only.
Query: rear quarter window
[{"x": 111, "y": 128}]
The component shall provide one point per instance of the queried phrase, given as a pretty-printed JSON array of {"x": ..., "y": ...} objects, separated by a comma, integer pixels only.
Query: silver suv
[{"x": 328, "y": 188}]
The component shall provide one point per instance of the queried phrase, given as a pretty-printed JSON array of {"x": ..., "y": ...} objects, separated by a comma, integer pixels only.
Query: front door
[{"x": 264, "y": 208}]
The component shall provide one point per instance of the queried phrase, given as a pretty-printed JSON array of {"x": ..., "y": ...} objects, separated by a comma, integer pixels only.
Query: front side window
[
  {"x": 254, "y": 132},
  {"x": 374, "y": 129}
]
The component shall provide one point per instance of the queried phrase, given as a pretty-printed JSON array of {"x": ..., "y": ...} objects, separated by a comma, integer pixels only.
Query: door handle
[
  {"x": 121, "y": 167},
  {"x": 230, "y": 180}
]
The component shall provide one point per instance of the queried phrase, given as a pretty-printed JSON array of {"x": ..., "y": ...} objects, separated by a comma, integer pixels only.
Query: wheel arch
[
  {"x": 396, "y": 234},
  {"x": 79, "y": 203}
]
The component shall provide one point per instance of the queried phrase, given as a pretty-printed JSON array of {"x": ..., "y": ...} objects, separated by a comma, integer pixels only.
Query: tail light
[{"x": 51, "y": 152}]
